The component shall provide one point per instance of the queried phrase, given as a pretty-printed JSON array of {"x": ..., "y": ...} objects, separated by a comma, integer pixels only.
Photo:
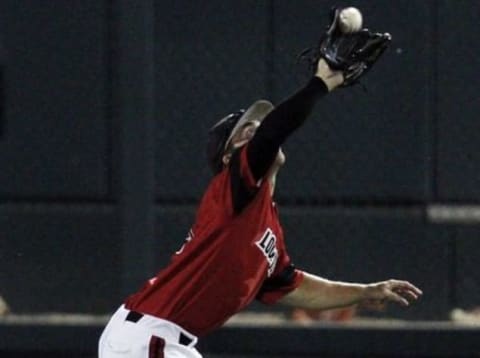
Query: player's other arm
[{"x": 318, "y": 293}]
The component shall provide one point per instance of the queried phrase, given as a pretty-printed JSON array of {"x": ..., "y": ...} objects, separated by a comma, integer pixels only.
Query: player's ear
[{"x": 226, "y": 158}]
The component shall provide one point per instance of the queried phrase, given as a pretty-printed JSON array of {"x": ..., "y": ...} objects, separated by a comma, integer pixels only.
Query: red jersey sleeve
[
  {"x": 243, "y": 184},
  {"x": 275, "y": 288},
  {"x": 285, "y": 279},
  {"x": 245, "y": 171}
]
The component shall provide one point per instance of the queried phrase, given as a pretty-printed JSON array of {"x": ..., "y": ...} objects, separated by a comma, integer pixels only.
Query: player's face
[
  {"x": 239, "y": 139},
  {"x": 245, "y": 134}
]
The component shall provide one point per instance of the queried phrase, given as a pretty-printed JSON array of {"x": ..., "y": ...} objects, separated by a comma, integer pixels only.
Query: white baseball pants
[{"x": 133, "y": 335}]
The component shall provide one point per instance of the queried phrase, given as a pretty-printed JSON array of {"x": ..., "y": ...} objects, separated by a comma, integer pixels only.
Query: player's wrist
[
  {"x": 365, "y": 292},
  {"x": 331, "y": 78},
  {"x": 332, "y": 82}
]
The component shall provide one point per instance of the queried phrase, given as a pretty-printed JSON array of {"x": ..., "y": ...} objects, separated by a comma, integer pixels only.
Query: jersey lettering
[{"x": 268, "y": 245}]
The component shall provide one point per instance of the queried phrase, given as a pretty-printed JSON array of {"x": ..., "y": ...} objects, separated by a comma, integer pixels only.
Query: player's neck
[
  {"x": 272, "y": 178},
  {"x": 274, "y": 168}
]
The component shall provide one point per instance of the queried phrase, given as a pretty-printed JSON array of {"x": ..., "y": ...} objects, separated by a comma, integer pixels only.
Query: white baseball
[{"x": 350, "y": 20}]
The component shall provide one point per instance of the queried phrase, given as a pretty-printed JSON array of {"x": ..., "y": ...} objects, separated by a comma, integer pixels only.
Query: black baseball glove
[{"x": 352, "y": 53}]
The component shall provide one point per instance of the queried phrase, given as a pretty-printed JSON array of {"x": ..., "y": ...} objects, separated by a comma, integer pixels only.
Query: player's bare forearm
[{"x": 318, "y": 293}]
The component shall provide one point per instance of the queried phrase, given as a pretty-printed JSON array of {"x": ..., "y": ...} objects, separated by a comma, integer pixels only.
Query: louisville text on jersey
[{"x": 268, "y": 245}]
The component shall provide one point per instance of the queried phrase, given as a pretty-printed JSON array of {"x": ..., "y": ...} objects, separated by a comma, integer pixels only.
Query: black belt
[{"x": 134, "y": 317}]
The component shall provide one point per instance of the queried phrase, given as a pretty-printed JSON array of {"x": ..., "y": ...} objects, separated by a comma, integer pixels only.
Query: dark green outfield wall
[{"x": 104, "y": 117}]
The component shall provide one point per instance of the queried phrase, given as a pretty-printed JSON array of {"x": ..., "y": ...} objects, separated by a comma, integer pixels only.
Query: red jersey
[{"x": 230, "y": 258}]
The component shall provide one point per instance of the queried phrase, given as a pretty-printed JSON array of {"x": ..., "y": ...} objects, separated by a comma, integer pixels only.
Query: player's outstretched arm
[
  {"x": 318, "y": 293},
  {"x": 287, "y": 117}
]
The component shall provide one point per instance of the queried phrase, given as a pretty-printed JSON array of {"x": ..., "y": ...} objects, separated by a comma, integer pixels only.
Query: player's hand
[{"x": 401, "y": 292}]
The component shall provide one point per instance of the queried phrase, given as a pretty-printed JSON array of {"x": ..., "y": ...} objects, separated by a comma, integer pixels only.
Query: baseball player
[{"x": 235, "y": 251}]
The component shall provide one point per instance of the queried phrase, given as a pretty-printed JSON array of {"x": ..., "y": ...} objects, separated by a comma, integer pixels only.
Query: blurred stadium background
[{"x": 103, "y": 117}]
